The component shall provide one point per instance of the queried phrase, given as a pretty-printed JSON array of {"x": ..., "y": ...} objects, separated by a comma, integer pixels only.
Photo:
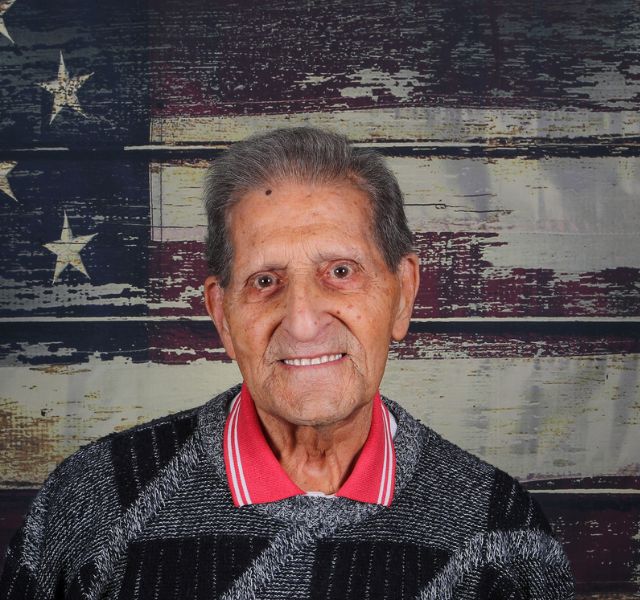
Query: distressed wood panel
[
  {"x": 497, "y": 237},
  {"x": 537, "y": 418},
  {"x": 479, "y": 69},
  {"x": 60, "y": 342},
  {"x": 106, "y": 41},
  {"x": 462, "y": 275},
  {"x": 571, "y": 195},
  {"x": 364, "y": 55},
  {"x": 599, "y": 534},
  {"x": 505, "y": 128},
  {"x": 506, "y": 275},
  {"x": 435, "y": 340},
  {"x": 108, "y": 199},
  {"x": 466, "y": 274}
]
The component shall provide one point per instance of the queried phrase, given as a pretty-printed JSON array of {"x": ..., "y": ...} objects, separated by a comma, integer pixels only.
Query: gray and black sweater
[{"x": 147, "y": 513}]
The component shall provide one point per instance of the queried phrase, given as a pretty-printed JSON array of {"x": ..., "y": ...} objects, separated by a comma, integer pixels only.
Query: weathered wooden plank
[
  {"x": 504, "y": 237},
  {"x": 361, "y": 55},
  {"x": 76, "y": 404},
  {"x": 541, "y": 418},
  {"x": 586, "y": 195},
  {"x": 416, "y": 125},
  {"x": 469, "y": 274},
  {"x": 103, "y": 44},
  {"x": 599, "y": 535},
  {"x": 462, "y": 275},
  {"x": 507, "y": 275},
  {"x": 57, "y": 341},
  {"x": 537, "y": 418},
  {"x": 61, "y": 342},
  {"x": 103, "y": 198},
  {"x": 434, "y": 340},
  {"x": 459, "y": 64}
]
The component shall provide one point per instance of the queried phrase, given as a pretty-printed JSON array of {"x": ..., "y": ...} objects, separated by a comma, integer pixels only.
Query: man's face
[{"x": 311, "y": 305}]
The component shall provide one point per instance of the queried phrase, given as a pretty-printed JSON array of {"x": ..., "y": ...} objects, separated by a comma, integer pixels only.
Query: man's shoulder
[
  {"x": 113, "y": 471},
  {"x": 99, "y": 483},
  {"x": 452, "y": 476},
  {"x": 148, "y": 446},
  {"x": 509, "y": 505}
]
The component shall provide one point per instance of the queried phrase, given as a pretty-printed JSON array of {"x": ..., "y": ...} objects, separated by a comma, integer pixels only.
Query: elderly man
[{"x": 303, "y": 482}]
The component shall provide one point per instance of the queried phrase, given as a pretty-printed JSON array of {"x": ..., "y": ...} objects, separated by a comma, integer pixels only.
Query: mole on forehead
[{"x": 335, "y": 185}]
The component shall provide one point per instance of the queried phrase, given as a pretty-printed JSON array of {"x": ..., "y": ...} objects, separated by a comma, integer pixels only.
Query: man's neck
[{"x": 318, "y": 459}]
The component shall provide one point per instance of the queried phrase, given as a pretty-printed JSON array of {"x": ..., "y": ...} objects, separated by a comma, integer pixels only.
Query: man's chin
[
  {"x": 318, "y": 412},
  {"x": 316, "y": 419}
]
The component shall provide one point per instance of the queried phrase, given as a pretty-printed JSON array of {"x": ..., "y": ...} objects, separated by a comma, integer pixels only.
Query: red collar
[{"x": 255, "y": 476}]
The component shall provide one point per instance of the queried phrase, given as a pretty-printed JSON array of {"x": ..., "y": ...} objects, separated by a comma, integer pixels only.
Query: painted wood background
[{"x": 514, "y": 130}]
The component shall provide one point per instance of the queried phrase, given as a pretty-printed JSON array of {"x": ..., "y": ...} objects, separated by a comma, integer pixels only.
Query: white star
[
  {"x": 5, "y": 5},
  {"x": 65, "y": 90},
  {"x": 67, "y": 250},
  {"x": 5, "y": 168}
]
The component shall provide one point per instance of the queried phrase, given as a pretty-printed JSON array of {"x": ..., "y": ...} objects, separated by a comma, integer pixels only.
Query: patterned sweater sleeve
[
  {"x": 48, "y": 556},
  {"x": 20, "y": 578},
  {"x": 505, "y": 565},
  {"x": 516, "y": 558}
]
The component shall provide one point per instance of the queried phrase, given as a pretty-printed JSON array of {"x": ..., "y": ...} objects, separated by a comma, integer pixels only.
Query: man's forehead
[
  {"x": 285, "y": 228},
  {"x": 344, "y": 190},
  {"x": 310, "y": 208}
]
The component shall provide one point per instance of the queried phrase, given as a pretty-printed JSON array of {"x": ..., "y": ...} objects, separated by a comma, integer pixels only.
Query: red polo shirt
[{"x": 255, "y": 475}]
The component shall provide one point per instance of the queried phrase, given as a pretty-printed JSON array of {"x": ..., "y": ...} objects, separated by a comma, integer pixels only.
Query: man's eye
[
  {"x": 264, "y": 281},
  {"x": 341, "y": 271}
]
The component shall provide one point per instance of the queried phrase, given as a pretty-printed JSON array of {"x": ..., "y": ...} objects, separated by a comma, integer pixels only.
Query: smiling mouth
[{"x": 309, "y": 362}]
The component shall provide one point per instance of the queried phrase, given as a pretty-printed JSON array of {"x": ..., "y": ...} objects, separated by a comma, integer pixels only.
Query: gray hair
[{"x": 302, "y": 154}]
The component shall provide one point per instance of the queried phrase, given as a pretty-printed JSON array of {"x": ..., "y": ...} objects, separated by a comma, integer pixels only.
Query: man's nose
[{"x": 305, "y": 310}]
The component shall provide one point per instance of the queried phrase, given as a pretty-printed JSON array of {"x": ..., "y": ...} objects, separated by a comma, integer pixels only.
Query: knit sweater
[{"x": 147, "y": 513}]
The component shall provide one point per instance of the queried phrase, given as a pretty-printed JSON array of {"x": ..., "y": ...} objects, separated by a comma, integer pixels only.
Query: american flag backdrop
[{"x": 514, "y": 130}]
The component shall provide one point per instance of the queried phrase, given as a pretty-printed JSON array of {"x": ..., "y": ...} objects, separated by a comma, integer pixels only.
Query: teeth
[{"x": 307, "y": 362}]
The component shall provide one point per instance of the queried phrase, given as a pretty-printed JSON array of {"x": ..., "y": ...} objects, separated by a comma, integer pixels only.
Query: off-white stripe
[
  {"x": 233, "y": 429},
  {"x": 234, "y": 478},
  {"x": 236, "y": 448},
  {"x": 424, "y": 124},
  {"x": 243, "y": 481},
  {"x": 388, "y": 444},
  {"x": 384, "y": 464}
]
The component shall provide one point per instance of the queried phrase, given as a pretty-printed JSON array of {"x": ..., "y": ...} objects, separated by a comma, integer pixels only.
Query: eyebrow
[
  {"x": 344, "y": 253},
  {"x": 349, "y": 253},
  {"x": 267, "y": 267}
]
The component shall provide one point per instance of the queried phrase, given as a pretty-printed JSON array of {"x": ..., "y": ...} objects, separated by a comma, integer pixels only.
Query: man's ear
[
  {"x": 214, "y": 301},
  {"x": 409, "y": 275}
]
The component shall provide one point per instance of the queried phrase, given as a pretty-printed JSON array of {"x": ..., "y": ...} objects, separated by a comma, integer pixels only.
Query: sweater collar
[{"x": 255, "y": 476}]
